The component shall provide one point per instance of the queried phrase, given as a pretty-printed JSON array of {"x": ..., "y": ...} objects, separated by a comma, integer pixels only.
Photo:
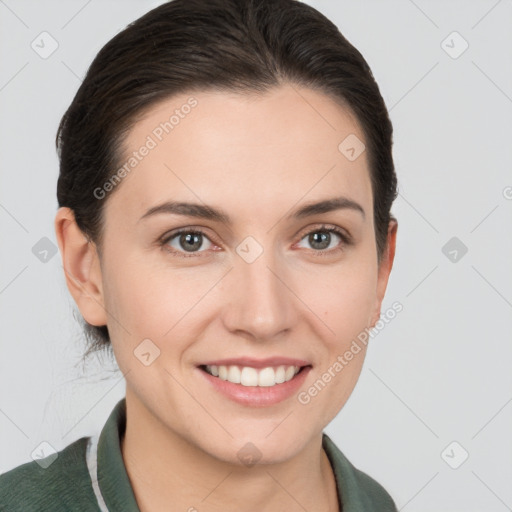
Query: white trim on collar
[{"x": 92, "y": 466}]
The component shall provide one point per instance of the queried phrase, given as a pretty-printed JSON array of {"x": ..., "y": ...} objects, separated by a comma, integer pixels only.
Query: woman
[{"x": 225, "y": 187}]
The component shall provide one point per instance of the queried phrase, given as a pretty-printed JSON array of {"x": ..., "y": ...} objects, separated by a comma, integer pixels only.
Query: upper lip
[{"x": 258, "y": 363}]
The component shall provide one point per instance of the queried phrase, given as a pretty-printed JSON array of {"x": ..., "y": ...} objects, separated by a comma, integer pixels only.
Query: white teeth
[
  {"x": 223, "y": 372},
  {"x": 267, "y": 377},
  {"x": 280, "y": 374},
  {"x": 289, "y": 373},
  {"x": 248, "y": 376},
  {"x": 234, "y": 374}
]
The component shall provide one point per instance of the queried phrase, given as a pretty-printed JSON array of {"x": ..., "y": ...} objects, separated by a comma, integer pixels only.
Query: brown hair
[{"x": 226, "y": 45}]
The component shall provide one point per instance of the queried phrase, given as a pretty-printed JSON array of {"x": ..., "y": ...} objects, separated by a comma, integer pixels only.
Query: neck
[{"x": 164, "y": 468}]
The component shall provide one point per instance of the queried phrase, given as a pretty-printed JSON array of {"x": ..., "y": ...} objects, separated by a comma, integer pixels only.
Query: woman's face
[{"x": 260, "y": 283}]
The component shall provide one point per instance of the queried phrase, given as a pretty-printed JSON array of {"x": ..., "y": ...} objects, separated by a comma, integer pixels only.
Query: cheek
[
  {"x": 149, "y": 300},
  {"x": 344, "y": 298},
  {"x": 348, "y": 302}
]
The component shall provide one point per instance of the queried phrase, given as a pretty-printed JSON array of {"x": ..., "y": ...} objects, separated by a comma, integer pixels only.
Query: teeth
[
  {"x": 248, "y": 376},
  {"x": 223, "y": 372},
  {"x": 234, "y": 374},
  {"x": 267, "y": 377}
]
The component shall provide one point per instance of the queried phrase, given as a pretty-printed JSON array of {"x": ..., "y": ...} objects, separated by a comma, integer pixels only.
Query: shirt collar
[
  {"x": 118, "y": 494},
  {"x": 113, "y": 480}
]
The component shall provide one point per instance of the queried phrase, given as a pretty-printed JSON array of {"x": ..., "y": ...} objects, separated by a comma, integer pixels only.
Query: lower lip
[{"x": 257, "y": 396}]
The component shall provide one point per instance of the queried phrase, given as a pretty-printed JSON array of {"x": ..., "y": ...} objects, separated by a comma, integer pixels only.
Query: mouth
[
  {"x": 256, "y": 382},
  {"x": 250, "y": 376}
]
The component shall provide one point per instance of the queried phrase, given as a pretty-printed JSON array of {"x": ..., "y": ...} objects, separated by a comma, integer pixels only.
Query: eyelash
[{"x": 346, "y": 240}]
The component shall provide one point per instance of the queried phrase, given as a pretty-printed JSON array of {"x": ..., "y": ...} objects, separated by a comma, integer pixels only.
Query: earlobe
[
  {"x": 385, "y": 267},
  {"x": 81, "y": 266}
]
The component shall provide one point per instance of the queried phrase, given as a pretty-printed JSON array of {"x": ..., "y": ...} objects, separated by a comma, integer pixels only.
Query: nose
[{"x": 261, "y": 304}]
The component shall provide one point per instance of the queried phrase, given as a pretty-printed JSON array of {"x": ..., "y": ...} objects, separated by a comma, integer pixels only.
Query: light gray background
[{"x": 438, "y": 373}]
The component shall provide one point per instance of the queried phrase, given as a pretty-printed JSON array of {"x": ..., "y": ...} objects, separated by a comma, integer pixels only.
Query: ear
[
  {"x": 385, "y": 269},
  {"x": 82, "y": 269}
]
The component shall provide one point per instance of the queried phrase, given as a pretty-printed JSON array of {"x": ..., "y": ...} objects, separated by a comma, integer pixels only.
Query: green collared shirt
[{"x": 83, "y": 478}]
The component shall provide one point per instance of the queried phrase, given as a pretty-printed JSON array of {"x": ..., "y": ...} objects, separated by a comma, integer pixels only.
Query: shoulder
[
  {"x": 57, "y": 482},
  {"x": 373, "y": 493},
  {"x": 363, "y": 492}
]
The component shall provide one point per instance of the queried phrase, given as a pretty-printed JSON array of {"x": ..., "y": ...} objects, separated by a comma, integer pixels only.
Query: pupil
[
  {"x": 322, "y": 235},
  {"x": 189, "y": 240}
]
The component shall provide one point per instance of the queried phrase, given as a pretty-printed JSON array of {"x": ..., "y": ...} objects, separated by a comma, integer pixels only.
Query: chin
[{"x": 257, "y": 450}]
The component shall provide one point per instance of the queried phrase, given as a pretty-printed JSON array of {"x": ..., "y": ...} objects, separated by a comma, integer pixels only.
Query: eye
[
  {"x": 321, "y": 239},
  {"x": 185, "y": 241}
]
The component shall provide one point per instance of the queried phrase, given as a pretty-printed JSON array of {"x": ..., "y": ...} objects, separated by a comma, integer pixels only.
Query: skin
[{"x": 258, "y": 158}]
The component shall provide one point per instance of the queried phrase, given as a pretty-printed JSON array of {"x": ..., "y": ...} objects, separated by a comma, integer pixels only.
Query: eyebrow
[{"x": 210, "y": 213}]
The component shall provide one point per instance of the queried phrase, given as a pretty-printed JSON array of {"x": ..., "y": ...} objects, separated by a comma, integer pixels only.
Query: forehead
[{"x": 256, "y": 151}]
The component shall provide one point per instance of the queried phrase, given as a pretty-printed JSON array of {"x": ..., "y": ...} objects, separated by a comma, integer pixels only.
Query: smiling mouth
[{"x": 249, "y": 376}]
